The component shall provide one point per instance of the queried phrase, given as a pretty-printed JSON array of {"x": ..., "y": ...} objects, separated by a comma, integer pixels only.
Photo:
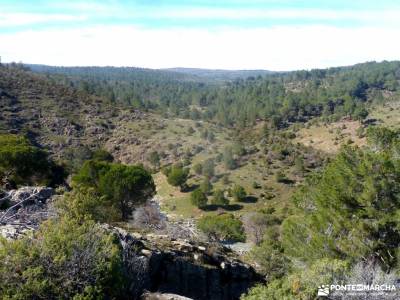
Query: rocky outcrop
[
  {"x": 199, "y": 271},
  {"x": 162, "y": 296},
  {"x": 24, "y": 209}
]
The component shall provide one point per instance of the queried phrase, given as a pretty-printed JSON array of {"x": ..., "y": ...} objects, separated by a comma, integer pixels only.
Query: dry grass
[{"x": 330, "y": 137}]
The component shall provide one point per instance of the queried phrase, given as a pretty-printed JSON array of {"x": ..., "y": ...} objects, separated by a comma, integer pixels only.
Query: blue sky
[{"x": 236, "y": 34}]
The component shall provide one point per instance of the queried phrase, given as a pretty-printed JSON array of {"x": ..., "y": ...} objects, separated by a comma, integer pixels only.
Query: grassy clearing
[
  {"x": 388, "y": 114},
  {"x": 330, "y": 137},
  {"x": 173, "y": 201}
]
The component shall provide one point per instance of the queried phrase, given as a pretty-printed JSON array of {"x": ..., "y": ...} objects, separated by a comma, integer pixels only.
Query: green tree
[
  {"x": 210, "y": 137},
  {"x": 178, "y": 176},
  {"x": 357, "y": 194},
  {"x": 219, "y": 198},
  {"x": 124, "y": 187},
  {"x": 198, "y": 198}
]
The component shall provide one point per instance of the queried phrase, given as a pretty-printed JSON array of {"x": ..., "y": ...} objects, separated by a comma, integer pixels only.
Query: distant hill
[
  {"x": 221, "y": 74},
  {"x": 133, "y": 73},
  {"x": 115, "y": 73}
]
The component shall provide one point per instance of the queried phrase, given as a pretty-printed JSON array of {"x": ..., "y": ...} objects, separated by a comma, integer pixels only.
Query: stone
[{"x": 175, "y": 268}]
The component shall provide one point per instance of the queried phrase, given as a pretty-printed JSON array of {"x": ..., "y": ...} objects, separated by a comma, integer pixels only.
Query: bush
[
  {"x": 198, "y": 169},
  {"x": 219, "y": 198},
  {"x": 123, "y": 187},
  {"x": 229, "y": 162},
  {"x": 63, "y": 260},
  {"x": 206, "y": 186},
  {"x": 239, "y": 193},
  {"x": 21, "y": 163},
  {"x": 198, "y": 198},
  {"x": 281, "y": 177},
  {"x": 154, "y": 159},
  {"x": 209, "y": 168},
  {"x": 190, "y": 131},
  {"x": 177, "y": 176},
  {"x": 223, "y": 227},
  {"x": 83, "y": 203},
  {"x": 269, "y": 255}
]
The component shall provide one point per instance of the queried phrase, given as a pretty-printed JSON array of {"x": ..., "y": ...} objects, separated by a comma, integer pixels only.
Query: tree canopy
[{"x": 124, "y": 187}]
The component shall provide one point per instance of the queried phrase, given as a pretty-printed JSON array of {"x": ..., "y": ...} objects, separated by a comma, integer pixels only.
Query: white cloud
[
  {"x": 380, "y": 16},
  {"x": 275, "y": 48},
  {"x": 92, "y": 11},
  {"x": 18, "y": 19}
]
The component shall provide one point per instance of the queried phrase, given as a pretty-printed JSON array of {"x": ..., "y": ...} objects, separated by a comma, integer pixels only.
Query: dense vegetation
[
  {"x": 23, "y": 163},
  {"x": 65, "y": 259},
  {"x": 284, "y": 98},
  {"x": 224, "y": 227},
  {"x": 346, "y": 215}
]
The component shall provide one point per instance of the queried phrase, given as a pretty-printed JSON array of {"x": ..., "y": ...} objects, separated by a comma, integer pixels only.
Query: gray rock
[
  {"x": 26, "y": 208},
  {"x": 180, "y": 267}
]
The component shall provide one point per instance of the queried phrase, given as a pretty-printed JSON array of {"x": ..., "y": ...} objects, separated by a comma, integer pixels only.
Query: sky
[{"x": 278, "y": 35}]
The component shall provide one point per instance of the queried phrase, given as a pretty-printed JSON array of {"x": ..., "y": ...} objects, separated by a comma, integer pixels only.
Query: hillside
[
  {"x": 56, "y": 117},
  {"x": 71, "y": 123},
  {"x": 284, "y": 98},
  {"x": 248, "y": 164}
]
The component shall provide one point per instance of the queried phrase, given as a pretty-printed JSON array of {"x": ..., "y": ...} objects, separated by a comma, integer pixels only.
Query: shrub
[
  {"x": 198, "y": 168},
  {"x": 198, "y": 198},
  {"x": 190, "y": 131},
  {"x": 154, "y": 159},
  {"x": 177, "y": 176},
  {"x": 83, "y": 203},
  {"x": 206, "y": 186},
  {"x": 281, "y": 177},
  {"x": 239, "y": 193},
  {"x": 209, "y": 168},
  {"x": 229, "y": 162},
  {"x": 219, "y": 198},
  {"x": 64, "y": 259},
  {"x": 23, "y": 163},
  {"x": 223, "y": 227}
]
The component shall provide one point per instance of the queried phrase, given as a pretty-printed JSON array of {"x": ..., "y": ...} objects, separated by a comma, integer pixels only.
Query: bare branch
[{"x": 16, "y": 205}]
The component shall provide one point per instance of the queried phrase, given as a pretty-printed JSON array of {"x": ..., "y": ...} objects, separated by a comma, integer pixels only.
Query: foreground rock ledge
[{"x": 198, "y": 271}]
